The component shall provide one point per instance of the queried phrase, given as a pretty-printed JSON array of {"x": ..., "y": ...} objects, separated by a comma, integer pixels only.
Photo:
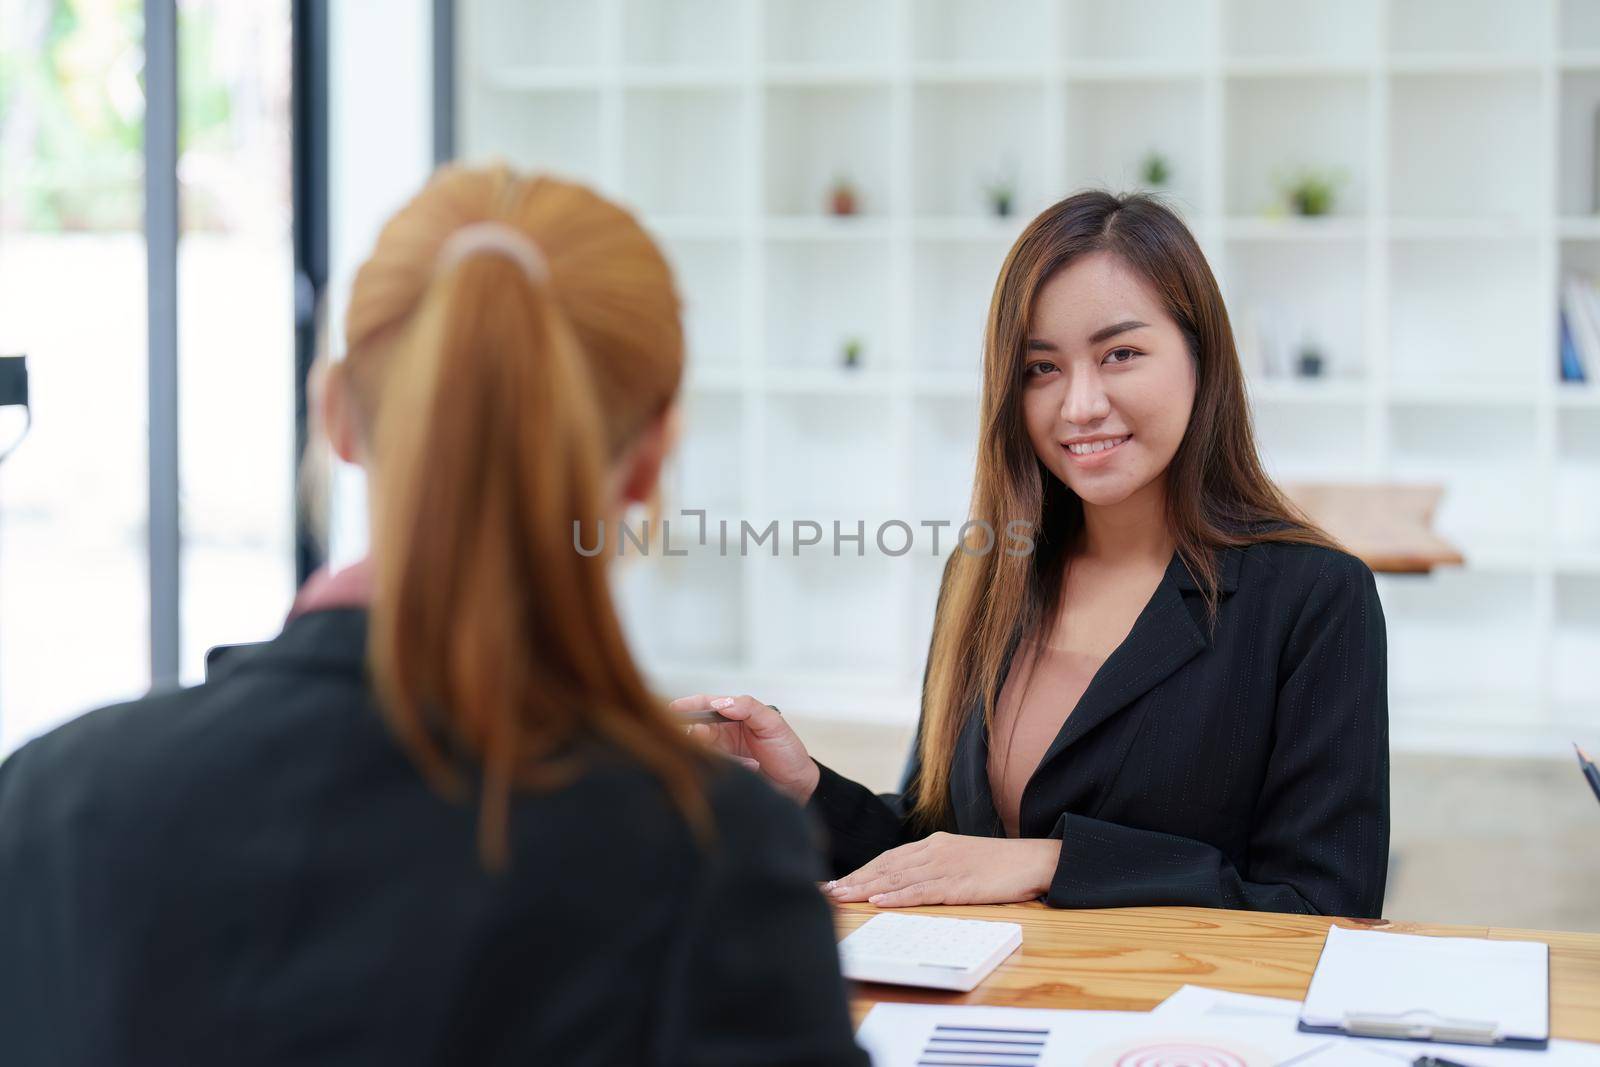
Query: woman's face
[{"x": 1108, "y": 382}]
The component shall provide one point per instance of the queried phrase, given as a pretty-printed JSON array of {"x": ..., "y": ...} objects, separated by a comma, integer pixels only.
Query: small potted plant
[
  {"x": 1001, "y": 195},
  {"x": 1155, "y": 170},
  {"x": 1310, "y": 192},
  {"x": 1309, "y": 361},
  {"x": 850, "y": 352},
  {"x": 843, "y": 199}
]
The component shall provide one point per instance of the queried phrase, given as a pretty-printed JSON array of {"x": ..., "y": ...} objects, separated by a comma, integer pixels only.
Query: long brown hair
[
  {"x": 1218, "y": 495},
  {"x": 494, "y": 399}
]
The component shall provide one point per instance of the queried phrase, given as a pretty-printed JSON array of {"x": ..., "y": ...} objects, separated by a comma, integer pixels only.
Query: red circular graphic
[{"x": 1186, "y": 1054}]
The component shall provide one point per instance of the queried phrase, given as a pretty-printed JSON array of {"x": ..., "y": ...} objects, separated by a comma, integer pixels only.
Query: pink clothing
[
  {"x": 1043, "y": 686},
  {"x": 350, "y": 587}
]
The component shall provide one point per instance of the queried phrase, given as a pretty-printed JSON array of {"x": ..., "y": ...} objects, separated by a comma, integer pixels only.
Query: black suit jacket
[
  {"x": 1245, "y": 767},
  {"x": 251, "y": 872}
]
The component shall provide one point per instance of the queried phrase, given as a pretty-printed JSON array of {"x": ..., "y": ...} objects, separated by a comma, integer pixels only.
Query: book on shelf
[{"x": 1580, "y": 327}]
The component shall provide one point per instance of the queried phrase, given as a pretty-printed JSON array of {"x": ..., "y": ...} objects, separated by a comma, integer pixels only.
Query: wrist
[
  {"x": 806, "y": 784},
  {"x": 1045, "y": 872}
]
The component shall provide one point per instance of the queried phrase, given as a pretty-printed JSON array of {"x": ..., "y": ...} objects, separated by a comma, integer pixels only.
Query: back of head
[{"x": 507, "y": 341}]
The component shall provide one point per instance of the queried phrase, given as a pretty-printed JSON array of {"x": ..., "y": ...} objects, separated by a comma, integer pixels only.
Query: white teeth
[{"x": 1092, "y": 447}]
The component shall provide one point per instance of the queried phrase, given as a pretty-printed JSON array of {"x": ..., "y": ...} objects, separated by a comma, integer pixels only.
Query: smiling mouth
[{"x": 1089, "y": 449}]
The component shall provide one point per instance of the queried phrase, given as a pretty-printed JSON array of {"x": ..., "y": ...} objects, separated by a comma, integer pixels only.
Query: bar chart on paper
[{"x": 954, "y": 1044}]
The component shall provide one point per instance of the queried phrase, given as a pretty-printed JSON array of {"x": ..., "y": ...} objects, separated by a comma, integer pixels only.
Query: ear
[
  {"x": 640, "y": 468},
  {"x": 337, "y": 408}
]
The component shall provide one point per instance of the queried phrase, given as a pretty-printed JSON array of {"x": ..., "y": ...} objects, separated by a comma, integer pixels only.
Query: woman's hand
[
  {"x": 759, "y": 737},
  {"x": 954, "y": 869}
]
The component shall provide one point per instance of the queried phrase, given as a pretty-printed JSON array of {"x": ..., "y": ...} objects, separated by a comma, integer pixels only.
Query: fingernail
[
  {"x": 722, "y": 702},
  {"x": 753, "y": 765},
  {"x": 830, "y": 885},
  {"x": 874, "y": 898},
  {"x": 840, "y": 890}
]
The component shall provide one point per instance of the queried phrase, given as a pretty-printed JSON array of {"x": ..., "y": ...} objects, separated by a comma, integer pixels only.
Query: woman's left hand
[{"x": 953, "y": 869}]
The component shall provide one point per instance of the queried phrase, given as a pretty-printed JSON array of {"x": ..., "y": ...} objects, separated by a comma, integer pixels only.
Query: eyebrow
[{"x": 1038, "y": 344}]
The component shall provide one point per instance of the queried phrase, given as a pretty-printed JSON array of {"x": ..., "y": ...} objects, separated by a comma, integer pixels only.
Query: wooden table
[
  {"x": 1131, "y": 959},
  {"x": 1389, "y": 527}
]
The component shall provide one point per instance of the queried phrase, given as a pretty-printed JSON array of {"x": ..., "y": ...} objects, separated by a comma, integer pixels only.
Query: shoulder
[
  {"x": 1301, "y": 570},
  {"x": 94, "y": 769}
]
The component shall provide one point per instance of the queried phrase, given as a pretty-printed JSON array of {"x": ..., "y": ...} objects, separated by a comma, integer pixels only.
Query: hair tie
[{"x": 497, "y": 238}]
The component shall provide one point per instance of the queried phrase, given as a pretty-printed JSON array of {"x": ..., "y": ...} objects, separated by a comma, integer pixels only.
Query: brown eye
[
  {"x": 1039, "y": 367},
  {"x": 1120, "y": 355}
]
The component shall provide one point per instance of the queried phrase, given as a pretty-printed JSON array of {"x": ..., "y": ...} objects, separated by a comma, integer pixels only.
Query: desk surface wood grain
[{"x": 1131, "y": 959}]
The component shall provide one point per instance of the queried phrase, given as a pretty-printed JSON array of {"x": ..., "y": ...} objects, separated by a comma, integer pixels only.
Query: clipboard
[{"x": 1405, "y": 987}]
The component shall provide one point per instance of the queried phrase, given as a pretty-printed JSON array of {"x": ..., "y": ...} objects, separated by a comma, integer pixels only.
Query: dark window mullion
[{"x": 161, "y": 249}]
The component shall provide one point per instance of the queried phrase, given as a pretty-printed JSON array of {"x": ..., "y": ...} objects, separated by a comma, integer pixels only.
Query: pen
[
  {"x": 1590, "y": 771},
  {"x": 1435, "y": 1061}
]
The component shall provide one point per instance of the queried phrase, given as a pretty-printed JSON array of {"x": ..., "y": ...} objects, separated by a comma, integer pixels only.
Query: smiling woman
[{"x": 1180, "y": 696}]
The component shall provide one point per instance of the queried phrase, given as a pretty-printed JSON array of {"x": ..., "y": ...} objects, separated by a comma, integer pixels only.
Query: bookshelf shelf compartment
[
  {"x": 1302, "y": 443},
  {"x": 1281, "y": 299},
  {"x": 1111, "y": 128},
  {"x": 1459, "y": 146},
  {"x": 1301, "y": 29},
  {"x": 816, "y": 135},
  {"x": 945, "y": 452},
  {"x": 1472, "y": 28},
  {"x": 1279, "y": 126},
  {"x": 1576, "y": 526},
  {"x": 951, "y": 288},
  {"x": 1016, "y": 33},
  {"x": 557, "y": 130},
  {"x": 821, "y": 296},
  {"x": 1154, "y": 32},
  {"x": 1575, "y": 685},
  {"x": 837, "y": 459},
  {"x": 827, "y": 33},
  {"x": 1483, "y": 625},
  {"x": 993, "y": 127},
  {"x": 710, "y": 277},
  {"x": 680, "y": 152},
  {"x": 538, "y": 33},
  {"x": 696, "y": 34},
  {"x": 1475, "y": 455},
  {"x": 1466, "y": 313}
]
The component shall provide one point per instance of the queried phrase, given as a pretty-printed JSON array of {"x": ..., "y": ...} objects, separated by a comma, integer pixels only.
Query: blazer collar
[
  {"x": 1164, "y": 637},
  {"x": 1228, "y": 561},
  {"x": 328, "y": 639}
]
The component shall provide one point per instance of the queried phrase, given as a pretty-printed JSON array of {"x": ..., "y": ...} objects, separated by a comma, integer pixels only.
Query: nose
[{"x": 1085, "y": 402}]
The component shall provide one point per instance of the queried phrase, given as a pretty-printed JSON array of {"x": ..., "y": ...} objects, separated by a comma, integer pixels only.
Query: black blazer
[
  {"x": 251, "y": 872},
  {"x": 1242, "y": 768}
]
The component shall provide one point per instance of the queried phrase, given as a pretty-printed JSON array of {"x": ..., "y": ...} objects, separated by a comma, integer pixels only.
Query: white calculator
[{"x": 927, "y": 950}]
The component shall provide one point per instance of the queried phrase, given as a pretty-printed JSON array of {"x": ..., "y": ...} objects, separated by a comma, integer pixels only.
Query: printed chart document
[
  {"x": 1448, "y": 989},
  {"x": 925, "y": 1035}
]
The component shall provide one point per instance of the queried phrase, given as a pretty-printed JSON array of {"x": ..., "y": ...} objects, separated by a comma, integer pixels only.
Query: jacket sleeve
[
  {"x": 761, "y": 982},
  {"x": 1320, "y": 840}
]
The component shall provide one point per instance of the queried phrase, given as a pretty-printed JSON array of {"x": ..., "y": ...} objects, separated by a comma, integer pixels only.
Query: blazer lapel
[{"x": 1164, "y": 637}]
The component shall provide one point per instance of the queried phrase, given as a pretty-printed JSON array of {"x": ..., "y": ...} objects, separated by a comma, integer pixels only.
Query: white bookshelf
[{"x": 1464, "y": 133}]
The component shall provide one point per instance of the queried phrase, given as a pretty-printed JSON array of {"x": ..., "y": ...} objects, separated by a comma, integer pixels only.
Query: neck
[{"x": 1132, "y": 531}]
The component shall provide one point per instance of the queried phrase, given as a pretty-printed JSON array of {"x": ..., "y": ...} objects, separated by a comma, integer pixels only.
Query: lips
[{"x": 1097, "y": 448}]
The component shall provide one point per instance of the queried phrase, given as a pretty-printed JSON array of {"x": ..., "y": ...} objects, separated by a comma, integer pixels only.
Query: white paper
[
  {"x": 903, "y": 1035},
  {"x": 1367, "y": 972},
  {"x": 1215, "y": 1006}
]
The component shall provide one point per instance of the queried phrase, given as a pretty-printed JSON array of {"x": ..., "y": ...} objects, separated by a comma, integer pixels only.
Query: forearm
[
  {"x": 1103, "y": 864},
  {"x": 861, "y": 824}
]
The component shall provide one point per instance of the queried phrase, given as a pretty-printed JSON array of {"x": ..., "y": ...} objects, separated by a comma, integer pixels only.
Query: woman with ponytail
[{"x": 440, "y": 819}]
